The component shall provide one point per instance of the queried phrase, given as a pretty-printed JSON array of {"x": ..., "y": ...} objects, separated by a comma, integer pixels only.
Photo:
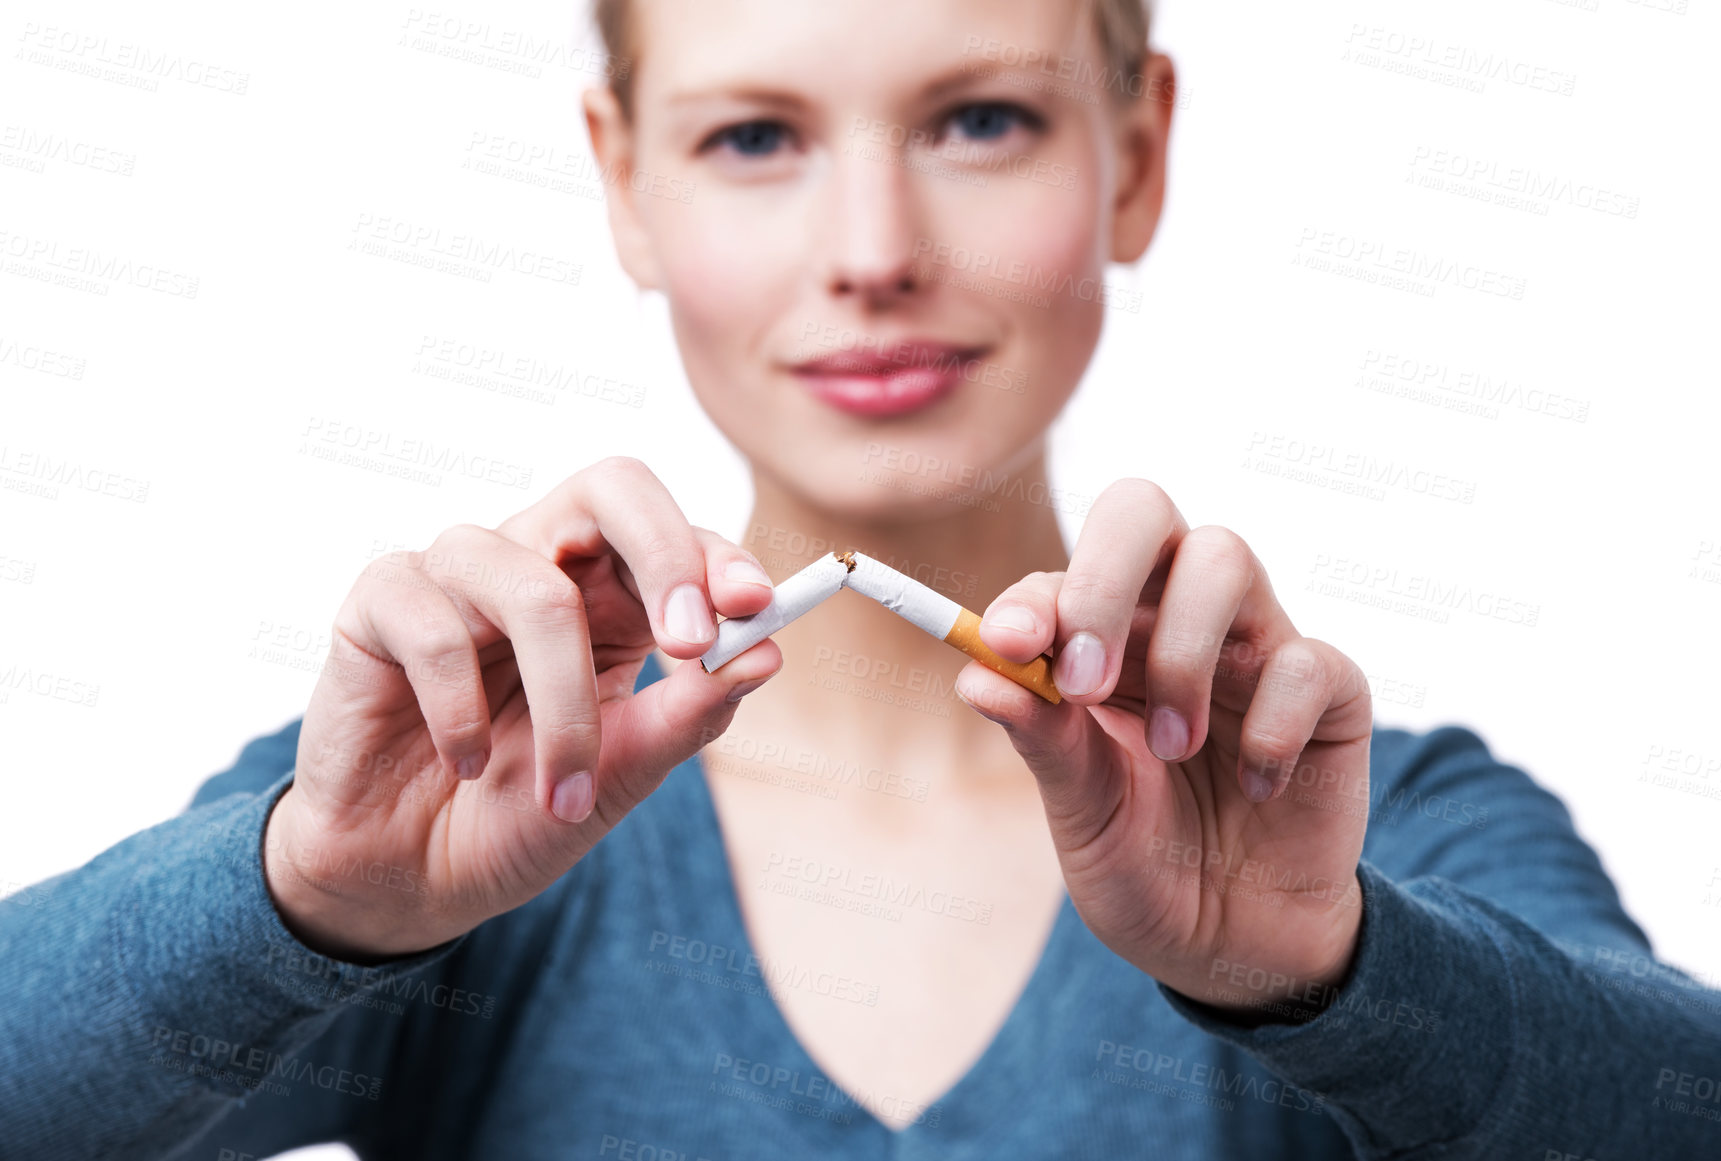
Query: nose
[{"x": 872, "y": 229}]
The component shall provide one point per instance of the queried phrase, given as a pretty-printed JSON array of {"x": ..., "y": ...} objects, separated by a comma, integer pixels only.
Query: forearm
[
  {"x": 1464, "y": 1032},
  {"x": 151, "y": 989}
]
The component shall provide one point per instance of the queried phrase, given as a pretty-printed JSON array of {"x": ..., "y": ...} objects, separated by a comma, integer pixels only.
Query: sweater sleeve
[
  {"x": 154, "y": 994},
  {"x": 1501, "y": 1003}
]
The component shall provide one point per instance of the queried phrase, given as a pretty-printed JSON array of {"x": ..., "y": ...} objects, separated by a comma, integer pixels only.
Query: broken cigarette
[
  {"x": 944, "y": 619},
  {"x": 903, "y": 595},
  {"x": 815, "y": 583}
]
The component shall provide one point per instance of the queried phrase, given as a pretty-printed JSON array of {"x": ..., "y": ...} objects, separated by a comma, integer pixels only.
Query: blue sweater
[{"x": 1502, "y": 1005}]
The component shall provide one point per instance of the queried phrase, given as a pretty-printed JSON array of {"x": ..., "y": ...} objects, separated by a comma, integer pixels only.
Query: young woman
[{"x": 526, "y": 881}]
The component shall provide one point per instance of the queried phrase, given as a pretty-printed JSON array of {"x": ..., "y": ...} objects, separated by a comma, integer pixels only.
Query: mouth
[{"x": 888, "y": 379}]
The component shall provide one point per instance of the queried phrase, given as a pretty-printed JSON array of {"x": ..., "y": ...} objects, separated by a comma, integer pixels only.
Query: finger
[
  {"x": 669, "y": 720},
  {"x": 1215, "y": 590},
  {"x": 1019, "y": 623},
  {"x": 1130, "y": 534},
  {"x": 619, "y": 504},
  {"x": 1072, "y": 758},
  {"x": 738, "y": 583},
  {"x": 397, "y": 616},
  {"x": 1309, "y": 691},
  {"x": 543, "y": 615}
]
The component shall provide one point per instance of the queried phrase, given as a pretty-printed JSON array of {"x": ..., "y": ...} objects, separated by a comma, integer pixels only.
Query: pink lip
[{"x": 892, "y": 380}]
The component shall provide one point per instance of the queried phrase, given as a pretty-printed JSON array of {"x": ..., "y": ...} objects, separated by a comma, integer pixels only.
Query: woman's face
[{"x": 881, "y": 226}]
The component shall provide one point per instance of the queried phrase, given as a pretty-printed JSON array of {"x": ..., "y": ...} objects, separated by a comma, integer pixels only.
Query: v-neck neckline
[{"x": 987, "y": 1067}]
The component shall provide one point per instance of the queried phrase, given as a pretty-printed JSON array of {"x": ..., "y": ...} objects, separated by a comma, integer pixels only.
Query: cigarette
[
  {"x": 932, "y": 611},
  {"x": 735, "y": 635},
  {"x": 942, "y": 617}
]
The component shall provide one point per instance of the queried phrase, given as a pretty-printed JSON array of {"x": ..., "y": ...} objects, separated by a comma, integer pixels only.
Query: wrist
[
  {"x": 1284, "y": 988},
  {"x": 318, "y": 912}
]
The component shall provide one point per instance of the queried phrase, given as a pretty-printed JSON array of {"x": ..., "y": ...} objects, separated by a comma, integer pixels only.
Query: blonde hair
[{"x": 1123, "y": 27}]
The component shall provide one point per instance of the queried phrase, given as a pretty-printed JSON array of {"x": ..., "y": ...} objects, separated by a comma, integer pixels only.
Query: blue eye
[
  {"x": 989, "y": 120},
  {"x": 752, "y": 138}
]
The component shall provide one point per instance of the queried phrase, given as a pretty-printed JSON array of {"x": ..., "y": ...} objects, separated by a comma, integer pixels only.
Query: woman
[{"x": 526, "y": 882}]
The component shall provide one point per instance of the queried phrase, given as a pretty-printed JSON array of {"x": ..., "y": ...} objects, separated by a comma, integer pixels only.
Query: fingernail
[
  {"x": 1015, "y": 617},
  {"x": 983, "y": 713},
  {"x": 472, "y": 765},
  {"x": 1167, "y": 734},
  {"x": 1256, "y": 788},
  {"x": 686, "y": 616},
  {"x": 747, "y": 573},
  {"x": 1081, "y": 665},
  {"x": 572, "y": 800},
  {"x": 745, "y": 688}
]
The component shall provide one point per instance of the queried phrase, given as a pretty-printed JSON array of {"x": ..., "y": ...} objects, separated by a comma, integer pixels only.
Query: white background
[{"x": 1607, "y": 527}]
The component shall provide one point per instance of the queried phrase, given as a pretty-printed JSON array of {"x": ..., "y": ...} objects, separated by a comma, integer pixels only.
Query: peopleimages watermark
[
  {"x": 513, "y": 374},
  {"x": 466, "y": 255},
  {"x": 1454, "y": 65},
  {"x": 1064, "y": 75},
  {"x": 1361, "y": 467},
  {"x": 1200, "y": 1080},
  {"x": 505, "y": 49},
  {"x": 810, "y": 1094},
  {"x": 971, "y": 486},
  {"x": 87, "y": 269},
  {"x": 1464, "y": 389},
  {"x": 739, "y": 970},
  {"x": 251, "y": 1067},
  {"x": 1374, "y": 261},
  {"x": 1032, "y": 284},
  {"x": 1388, "y": 587},
  {"x": 1512, "y": 186},
  {"x": 873, "y": 892},
  {"x": 30, "y": 150},
  {"x": 41, "y": 360},
  {"x": 420, "y": 460},
  {"x": 970, "y": 158},
  {"x": 563, "y": 170},
  {"x": 123, "y": 62}
]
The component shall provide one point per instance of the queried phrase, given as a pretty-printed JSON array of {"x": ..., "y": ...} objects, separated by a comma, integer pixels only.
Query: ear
[
  {"x": 1144, "y": 130},
  {"x": 613, "y": 147}
]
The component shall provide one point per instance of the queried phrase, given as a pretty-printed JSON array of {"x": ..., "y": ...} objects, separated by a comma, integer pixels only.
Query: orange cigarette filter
[{"x": 942, "y": 617}]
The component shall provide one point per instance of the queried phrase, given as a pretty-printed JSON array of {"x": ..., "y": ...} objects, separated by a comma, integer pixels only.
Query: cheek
[
  {"x": 1032, "y": 256},
  {"x": 724, "y": 267}
]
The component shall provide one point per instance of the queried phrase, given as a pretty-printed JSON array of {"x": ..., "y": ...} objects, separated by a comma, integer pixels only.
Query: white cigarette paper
[
  {"x": 797, "y": 595},
  {"x": 931, "y": 611},
  {"x": 904, "y": 596}
]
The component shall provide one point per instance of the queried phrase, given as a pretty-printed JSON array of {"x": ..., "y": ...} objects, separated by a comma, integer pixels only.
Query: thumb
[
  {"x": 670, "y": 720},
  {"x": 1071, "y": 756}
]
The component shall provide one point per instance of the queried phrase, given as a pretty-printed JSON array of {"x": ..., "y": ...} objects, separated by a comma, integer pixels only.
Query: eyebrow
[{"x": 961, "y": 76}]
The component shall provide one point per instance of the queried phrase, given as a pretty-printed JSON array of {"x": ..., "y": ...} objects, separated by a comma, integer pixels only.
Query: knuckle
[
  {"x": 1140, "y": 493},
  {"x": 1271, "y": 744},
  {"x": 560, "y": 602},
  {"x": 1345, "y": 675},
  {"x": 461, "y": 732},
  {"x": 576, "y": 720},
  {"x": 459, "y": 534},
  {"x": 659, "y": 550},
  {"x": 1174, "y": 650},
  {"x": 389, "y": 567},
  {"x": 622, "y": 469},
  {"x": 1084, "y": 593},
  {"x": 441, "y": 644},
  {"x": 1219, "y": 548},
  {"x": 1299, "y": 662}
]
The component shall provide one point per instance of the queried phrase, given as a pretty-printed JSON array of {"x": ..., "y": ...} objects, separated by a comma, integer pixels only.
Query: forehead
[{"x": 860, "y": 47}]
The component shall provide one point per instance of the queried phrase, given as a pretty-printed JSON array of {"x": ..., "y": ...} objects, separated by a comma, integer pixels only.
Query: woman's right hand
[{"x": 475, "y": 732}]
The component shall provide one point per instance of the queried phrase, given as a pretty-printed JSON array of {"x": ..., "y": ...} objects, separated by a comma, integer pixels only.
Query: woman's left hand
[{"x": 1190, "y": 702}]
